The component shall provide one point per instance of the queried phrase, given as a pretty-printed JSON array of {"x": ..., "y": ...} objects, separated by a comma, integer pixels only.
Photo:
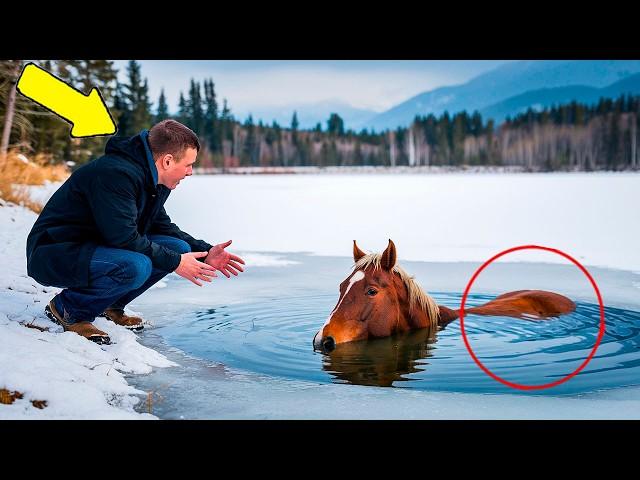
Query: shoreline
[{"x": 404, "y": 170}]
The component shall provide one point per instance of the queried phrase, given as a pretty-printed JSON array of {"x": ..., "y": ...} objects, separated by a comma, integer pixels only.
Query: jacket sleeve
[
  {"x": 162, "y": 225},
  {"x": 114, "y": 208}
]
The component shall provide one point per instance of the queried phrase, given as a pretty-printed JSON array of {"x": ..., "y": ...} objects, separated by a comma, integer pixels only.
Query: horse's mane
[{"x": 416, "y": 294}]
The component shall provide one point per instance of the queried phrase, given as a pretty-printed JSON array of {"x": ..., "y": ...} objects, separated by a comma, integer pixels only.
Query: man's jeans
[{"x": 116, "y": 277}]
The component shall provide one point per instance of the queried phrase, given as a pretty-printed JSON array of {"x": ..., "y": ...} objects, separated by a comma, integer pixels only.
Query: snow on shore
[{"x": 76, "y": 378}]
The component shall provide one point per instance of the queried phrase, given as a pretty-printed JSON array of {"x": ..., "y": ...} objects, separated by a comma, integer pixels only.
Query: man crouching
[{"x": 105, "y": 237}]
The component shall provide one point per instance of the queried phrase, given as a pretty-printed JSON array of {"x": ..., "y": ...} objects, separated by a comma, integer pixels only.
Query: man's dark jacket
[{"x": 112, "y": 201}]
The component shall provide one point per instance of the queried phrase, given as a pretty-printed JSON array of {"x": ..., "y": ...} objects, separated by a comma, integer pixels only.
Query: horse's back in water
[{"x": 530, "y": 304}]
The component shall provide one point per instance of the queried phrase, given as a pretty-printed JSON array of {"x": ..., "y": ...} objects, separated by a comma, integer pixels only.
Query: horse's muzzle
[
  {"x": 324, "y": 344},
  {"x": 328, "y": 344}
]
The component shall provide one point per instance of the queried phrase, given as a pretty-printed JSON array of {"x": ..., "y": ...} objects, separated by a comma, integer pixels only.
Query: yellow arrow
[{"x": 88, "y": 114}]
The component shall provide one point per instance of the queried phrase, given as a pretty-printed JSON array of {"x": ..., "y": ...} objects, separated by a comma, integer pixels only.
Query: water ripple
[{"x": 274, "y": 337}]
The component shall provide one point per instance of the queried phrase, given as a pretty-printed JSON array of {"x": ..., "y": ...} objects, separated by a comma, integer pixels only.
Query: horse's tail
[{"x": 529, "y": 304}]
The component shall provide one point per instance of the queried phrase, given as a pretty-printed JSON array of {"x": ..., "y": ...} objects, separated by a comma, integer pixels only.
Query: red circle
[{"x": 517, "y": 385}]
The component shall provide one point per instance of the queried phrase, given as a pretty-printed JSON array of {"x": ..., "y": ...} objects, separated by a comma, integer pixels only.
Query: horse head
[{"x": 376, "y": 300}]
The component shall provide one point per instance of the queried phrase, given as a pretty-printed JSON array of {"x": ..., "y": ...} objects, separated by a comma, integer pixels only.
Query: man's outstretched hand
[
  {"x": 193, "y": 270},
  {"x": 226, "y": 262}
]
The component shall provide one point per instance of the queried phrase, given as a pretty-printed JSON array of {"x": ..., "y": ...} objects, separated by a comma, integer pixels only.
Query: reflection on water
[{"x": 380, "y": 362}]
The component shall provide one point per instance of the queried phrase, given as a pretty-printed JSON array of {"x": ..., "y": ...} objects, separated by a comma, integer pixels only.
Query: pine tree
[
  {"x": 183, "y": 113},
  {"x": 294, "y": 139},
  {"x": 136, "y": 100},
  {"x": 121, "y": 111},
  {"x": 100, "y": 74},
  {"x": 458, "y": 136},
  {"x": 211, "y": 116},
  {"x": 442, "y": 139},
  {"x": 476, "y": 124},
  {"x": 195, "y": 112},
  {"x": 163, "y": 109},
  {"x": 401, "y": 157},
  {"x": 335, "y": 125},
  {"x": 224, "y": 127},
  {"x": 249, "y": 152}
]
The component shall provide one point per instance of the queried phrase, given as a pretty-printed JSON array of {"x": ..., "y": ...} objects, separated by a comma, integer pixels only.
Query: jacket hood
[{"x": 135, "y": 149}]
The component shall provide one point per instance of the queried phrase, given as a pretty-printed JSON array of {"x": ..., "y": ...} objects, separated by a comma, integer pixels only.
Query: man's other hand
[
  {"x": 224, "y": 261},
  {"x": 193, "y": 270}
]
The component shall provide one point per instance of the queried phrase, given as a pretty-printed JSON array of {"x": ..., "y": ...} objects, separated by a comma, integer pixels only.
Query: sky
[{"x": 264, "y": 85}]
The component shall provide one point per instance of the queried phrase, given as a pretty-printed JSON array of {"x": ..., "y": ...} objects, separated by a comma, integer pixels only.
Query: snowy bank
[{"x": 76, "y": 378}]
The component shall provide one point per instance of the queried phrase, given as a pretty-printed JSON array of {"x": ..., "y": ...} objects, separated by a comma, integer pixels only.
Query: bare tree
[{"x": 14, "y": 68}]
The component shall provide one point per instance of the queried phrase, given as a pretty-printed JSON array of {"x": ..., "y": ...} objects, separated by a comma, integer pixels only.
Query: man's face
[{"x": 171, "y": 171}]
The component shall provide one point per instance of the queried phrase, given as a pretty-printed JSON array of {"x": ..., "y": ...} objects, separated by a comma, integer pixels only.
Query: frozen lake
[
  {"x": 448, "y": 217},
  {"x": 245, "y": 343}
]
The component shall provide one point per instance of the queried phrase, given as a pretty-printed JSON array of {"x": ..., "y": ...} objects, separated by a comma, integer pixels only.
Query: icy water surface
[
  {"x": 273, "y": 337},
  {"x": 263, "y": 324}
]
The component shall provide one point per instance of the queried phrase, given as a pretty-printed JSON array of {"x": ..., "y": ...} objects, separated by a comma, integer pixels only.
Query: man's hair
[{"x": 169, "y": 136}]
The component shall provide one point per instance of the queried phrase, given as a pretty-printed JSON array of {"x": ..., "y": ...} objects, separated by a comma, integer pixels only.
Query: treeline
[
  {"x": 574, "y": 136},
  {"x": 564, "y": 137}
]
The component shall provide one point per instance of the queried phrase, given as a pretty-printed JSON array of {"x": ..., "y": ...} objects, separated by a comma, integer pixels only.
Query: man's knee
[{"x": 137, "y": 272}]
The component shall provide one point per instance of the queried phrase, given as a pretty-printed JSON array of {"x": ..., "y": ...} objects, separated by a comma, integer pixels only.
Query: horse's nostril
[{"x": 328, "y": 343}]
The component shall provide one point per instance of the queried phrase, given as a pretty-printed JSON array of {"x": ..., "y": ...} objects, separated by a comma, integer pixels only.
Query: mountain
[
  {"x": 506, "y": 81},
  {"x": 310, "y": 114},
  {"x": 546, "y": 97}
]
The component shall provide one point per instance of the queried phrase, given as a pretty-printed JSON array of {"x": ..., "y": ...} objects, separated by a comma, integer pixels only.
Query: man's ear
[{"x": 166, "y": 160}]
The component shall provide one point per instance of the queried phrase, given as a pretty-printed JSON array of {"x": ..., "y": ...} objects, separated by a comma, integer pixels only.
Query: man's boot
[
  {"x": 117, "y": 316},
  {"x": 84, "y": 329}
]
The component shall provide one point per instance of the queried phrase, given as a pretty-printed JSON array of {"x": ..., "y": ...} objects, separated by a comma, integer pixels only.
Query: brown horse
[{"x": 380, "y": 299}]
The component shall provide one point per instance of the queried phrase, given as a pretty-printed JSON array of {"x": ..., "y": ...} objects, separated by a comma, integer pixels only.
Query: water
[
  {"x": 248, "y": 344},
  {"x": 273, "y": 337}
]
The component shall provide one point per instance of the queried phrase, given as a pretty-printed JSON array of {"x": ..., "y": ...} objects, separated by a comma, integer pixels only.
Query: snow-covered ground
[
  {"x": 452, "y": 217},
  {"x": 78, "y": 379}
]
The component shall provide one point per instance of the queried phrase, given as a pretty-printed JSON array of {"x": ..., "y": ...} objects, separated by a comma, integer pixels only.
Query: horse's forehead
[
  {"x": 355, "y": 277},
  {"x": 368, "y": 272},
  {"x": 352, "y": 278}
]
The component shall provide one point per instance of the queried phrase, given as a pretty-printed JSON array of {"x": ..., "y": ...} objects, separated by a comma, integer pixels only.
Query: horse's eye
[{"x": 371, "y": 292}]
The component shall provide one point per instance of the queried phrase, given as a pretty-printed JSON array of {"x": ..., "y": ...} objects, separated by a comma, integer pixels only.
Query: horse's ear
[
  {"x": 388, "y": 260},
  {"x": 357, "y": 253}
]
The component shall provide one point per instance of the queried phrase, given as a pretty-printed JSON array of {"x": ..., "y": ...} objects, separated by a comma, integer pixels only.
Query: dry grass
[
  {"x": 39, "y": 403},
  {"x": 19, "y": 172},
  {"x": 7, "y": 398}
]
